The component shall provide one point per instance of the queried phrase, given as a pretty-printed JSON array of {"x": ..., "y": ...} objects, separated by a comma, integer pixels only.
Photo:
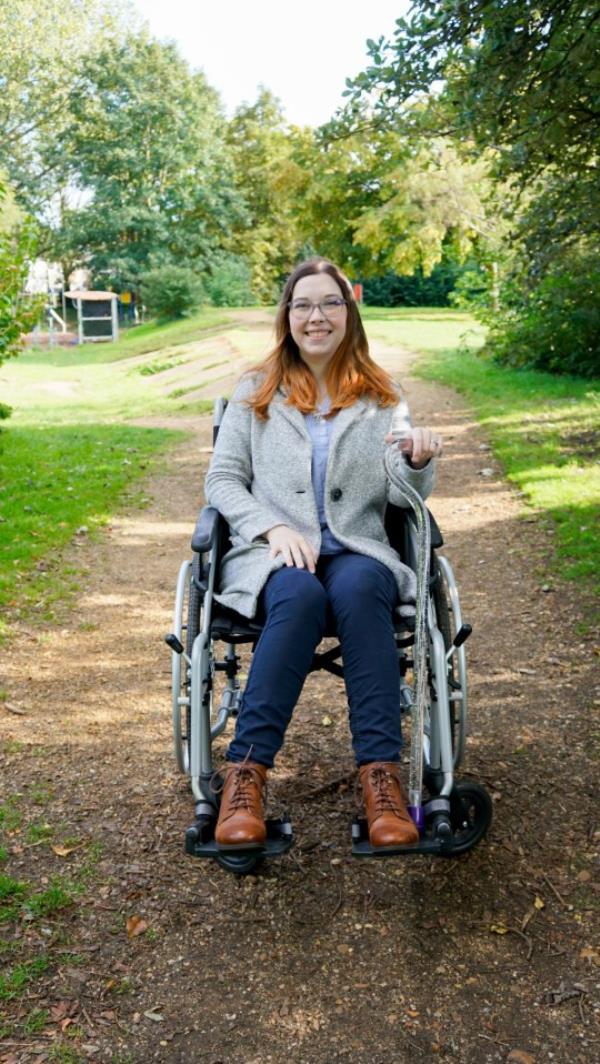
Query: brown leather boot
[
  {"x": 241, "y": 823},
  {"x": 389, "y": 821}
]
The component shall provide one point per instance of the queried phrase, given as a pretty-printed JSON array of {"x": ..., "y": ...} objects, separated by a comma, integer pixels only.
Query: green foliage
[
  {"x": 171, "y": 292},
  {"x": 392, "y": 290},
  {"x": 17, "y": 311},
  {"x": 427, "y": 201},
  {"x": 558, "y": 327},
  {"x": 42, "y": 46},
  {"x": 230, "y": 282},
  {"x": 271, "y": 179},
  {"x": 518, "y": 83},
  {"x": 145, "y": 139},
  {"x": 521, "y": 75}
]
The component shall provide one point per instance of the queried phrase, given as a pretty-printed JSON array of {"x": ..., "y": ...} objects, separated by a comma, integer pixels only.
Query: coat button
[{"x": 336, "y": 494}]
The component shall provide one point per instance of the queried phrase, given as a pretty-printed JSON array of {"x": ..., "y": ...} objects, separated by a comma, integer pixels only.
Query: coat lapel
[
  {"x": 344, "y": 419},
  {"x": 291, "y": 414}
]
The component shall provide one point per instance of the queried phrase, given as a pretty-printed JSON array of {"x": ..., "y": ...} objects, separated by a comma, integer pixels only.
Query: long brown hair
[{"x": 351, "y": 373}]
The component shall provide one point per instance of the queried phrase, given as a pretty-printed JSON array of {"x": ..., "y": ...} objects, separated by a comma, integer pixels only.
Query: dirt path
[{"x": 320, "y": 958}]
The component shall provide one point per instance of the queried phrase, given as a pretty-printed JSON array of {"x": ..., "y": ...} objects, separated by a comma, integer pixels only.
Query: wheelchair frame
[{"x": 454, "y": 818}]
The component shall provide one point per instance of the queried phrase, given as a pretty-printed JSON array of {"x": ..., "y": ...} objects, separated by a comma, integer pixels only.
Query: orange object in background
[{"x": 358, "y": 292}]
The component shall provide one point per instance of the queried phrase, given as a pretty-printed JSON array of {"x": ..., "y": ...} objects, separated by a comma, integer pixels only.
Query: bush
[
  {"x": 394, "y": 290},
  {"x": 171, "y": 292},
  {"x": 230, "y": 283},
  {"x": 557, "y": 327},
  {"x": 18, "y": 312}
]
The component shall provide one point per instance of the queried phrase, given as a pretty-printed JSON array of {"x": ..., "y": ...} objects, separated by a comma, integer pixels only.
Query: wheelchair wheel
[
  {"x": 242, "y": 864},
  {"x": 194, "y": 607},
  {"x": 180, "y": 679},
  {"x": 471, "y": 814},
  {"x": 442, "y": 615},
  {"x": 186, "y": 626},
  {"x": 449, "y": 620}
]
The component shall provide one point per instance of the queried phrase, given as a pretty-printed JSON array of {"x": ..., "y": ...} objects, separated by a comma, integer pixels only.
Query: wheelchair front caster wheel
[
  {"x": 471, "y": 813},
  {"x": 242, "y": 864}
]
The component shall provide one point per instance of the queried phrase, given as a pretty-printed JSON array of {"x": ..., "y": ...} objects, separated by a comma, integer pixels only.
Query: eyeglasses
[{"x": 331, "y": 306}]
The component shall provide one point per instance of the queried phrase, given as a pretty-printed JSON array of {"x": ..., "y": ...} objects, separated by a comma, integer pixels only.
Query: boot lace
[
  {"x": 385, "y": 786},
  {"x": 246, "y": 781}
]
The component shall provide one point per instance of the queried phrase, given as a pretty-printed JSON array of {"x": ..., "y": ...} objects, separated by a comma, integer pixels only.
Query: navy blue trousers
[{"x": 359, "y": 594}]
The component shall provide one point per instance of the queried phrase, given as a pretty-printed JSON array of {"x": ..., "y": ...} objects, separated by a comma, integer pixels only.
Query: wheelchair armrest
[{"x": 206, "y": 530}]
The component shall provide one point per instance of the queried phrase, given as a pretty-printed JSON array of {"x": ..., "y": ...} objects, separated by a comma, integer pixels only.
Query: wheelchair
[{"x": 451, "y": 816}]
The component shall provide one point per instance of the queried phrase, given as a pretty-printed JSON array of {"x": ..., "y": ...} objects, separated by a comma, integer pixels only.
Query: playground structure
[{"x": 97, "y": 315}]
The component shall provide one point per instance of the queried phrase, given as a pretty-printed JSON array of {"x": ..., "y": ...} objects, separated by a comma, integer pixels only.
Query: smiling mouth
[{"x": 319, "y": 332}]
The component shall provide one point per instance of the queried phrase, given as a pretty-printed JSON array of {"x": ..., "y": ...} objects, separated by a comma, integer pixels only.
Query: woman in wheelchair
[{"x": 298, "y": 473}]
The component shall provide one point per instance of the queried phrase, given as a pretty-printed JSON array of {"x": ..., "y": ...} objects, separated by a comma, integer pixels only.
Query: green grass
[
  {"x": 29, "y": 907},
  {"x": 137, "y": 340},
  {"x": 545, "y": 431},
  {"x": 415, "y": 328},
  {"x": 20, "y": 976},
  {"x": 70, "y": 455},
  {"x": 58, "y": 479}
]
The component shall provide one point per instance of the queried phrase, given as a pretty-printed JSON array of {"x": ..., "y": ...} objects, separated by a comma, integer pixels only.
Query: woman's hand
[
  {"x": 296, "y": 550},
  {"x": 419, "y": 445}
]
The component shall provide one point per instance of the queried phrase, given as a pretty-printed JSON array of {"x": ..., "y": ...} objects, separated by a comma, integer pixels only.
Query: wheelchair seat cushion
[{"x": 231, "y": 627}]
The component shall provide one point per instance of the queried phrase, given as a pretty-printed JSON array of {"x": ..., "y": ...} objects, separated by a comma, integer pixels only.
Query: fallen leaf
[
  {"x": 499, "y": 929},
  {"x": 60, "y": 1010},
  {"x": 64, "y": 851},
  {"x": 539, "y": 902},
  {"x": 156, "y": 1016},
  {"x": 589, "y": 954},
  {"x": 519, "y": 1056},
  {"x": 11, "y": 708},
  {"x": 136, "y": 926}
]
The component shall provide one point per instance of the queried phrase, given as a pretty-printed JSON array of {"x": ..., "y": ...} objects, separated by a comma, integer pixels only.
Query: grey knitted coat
[{"x": 260, "y": 476}]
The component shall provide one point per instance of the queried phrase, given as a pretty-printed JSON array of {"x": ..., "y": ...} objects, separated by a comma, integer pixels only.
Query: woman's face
[{"x": 319, "y": 335}]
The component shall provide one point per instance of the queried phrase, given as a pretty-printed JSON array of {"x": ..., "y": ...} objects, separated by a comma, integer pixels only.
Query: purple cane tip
[{"x": 418, "y": 815}]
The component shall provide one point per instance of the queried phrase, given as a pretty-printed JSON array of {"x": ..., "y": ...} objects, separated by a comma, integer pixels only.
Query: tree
[
  {"x": 430, "y": 203},
  {"x": 17, "y": 248},
  {"x": 144, "y": 143},
  {"x": 171, "y": 292},
  {"x": 42, "y": 44},
  {"x": 518, "y": 80},
  {"x": 272, "y": 182},
  {"x": 519, "y": 75}
]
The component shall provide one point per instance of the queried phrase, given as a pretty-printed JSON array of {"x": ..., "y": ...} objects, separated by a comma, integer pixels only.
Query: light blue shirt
[{"x": 320, "y": 429}]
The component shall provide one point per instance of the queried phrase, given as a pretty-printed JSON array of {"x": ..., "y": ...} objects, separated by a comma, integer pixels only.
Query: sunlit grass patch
[
  {"x": 545, "y": 430},
  {"x": 137, "y": 340},
  {"x": 426, "y": 328},
  {"x": 59, "y": 482}
]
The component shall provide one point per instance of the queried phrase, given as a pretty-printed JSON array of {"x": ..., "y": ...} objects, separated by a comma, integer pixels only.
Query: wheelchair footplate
[
  {"x": 361, "y": 847},
  {"x": 449, "y": 826},
  {"x": 200, "y": 842}
]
